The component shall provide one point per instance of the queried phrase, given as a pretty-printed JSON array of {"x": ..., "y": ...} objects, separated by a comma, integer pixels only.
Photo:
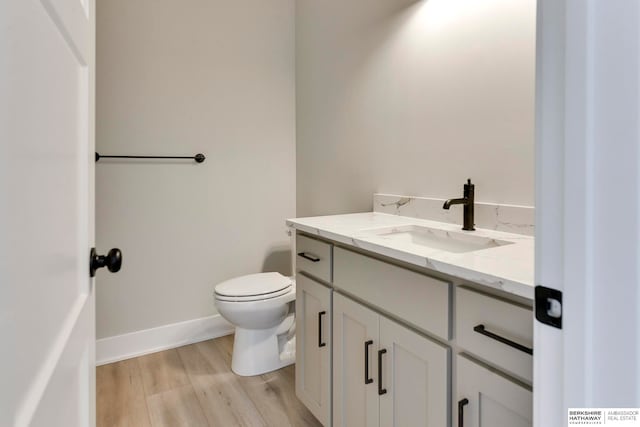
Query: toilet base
[{"x": 258, "y": 351}]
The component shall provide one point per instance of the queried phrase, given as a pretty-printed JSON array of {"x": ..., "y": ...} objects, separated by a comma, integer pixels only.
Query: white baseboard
[{"x": 121, "y": 347}]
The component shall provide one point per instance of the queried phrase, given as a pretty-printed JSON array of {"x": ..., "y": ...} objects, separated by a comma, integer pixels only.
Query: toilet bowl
[{"x": 260, "y": 306}]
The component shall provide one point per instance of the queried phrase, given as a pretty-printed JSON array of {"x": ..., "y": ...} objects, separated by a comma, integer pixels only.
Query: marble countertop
[{"x": 509, "y": 267}]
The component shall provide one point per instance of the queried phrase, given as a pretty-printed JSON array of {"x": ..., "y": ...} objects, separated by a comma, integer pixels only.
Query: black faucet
[{"x": 467, "y": 201}]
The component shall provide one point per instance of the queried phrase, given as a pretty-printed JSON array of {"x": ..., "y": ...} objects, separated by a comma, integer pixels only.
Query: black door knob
[{"x": 112, "y": 260}]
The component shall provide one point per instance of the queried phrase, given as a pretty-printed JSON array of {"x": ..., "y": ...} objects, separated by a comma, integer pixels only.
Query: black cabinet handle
[
  {"x": 367, "y": 380},
  {"x": 320, "y": 343},
  {"x": 481, "y": 330},
  {"x": 310, "y": 257},
  {"x": 381, "y": 390},
  {"x": 461, "y": 405}
]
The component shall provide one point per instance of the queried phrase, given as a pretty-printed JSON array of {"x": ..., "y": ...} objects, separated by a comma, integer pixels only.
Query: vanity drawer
[
  {"x": 314, "y": 257},
  {"x": 495, "y": 330},
  {"x": 418, "y": 299}
]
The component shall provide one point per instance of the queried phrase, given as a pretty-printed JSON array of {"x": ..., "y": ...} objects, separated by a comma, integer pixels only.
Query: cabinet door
[
  {"x": 313, "y": 347},
  {"x": 486, "y": 398},
  {"x": 355, "y": 345},
  {"x": 415, "y": 372}
]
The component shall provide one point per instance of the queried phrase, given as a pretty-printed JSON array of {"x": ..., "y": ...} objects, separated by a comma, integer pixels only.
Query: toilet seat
[
  {"x": 253, "y": 287},
  {"x": 254, "y": 297}
]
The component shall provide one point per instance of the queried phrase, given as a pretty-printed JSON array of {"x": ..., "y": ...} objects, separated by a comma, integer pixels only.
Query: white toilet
[{"x": 260, "y": 306}]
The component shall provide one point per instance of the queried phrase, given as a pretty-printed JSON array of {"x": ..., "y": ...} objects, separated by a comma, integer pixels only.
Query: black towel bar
[{"x": 199, "y": 158}]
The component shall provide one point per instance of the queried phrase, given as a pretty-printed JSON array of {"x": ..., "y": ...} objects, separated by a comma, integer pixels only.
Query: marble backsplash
[{"x": 508, "y": 218}]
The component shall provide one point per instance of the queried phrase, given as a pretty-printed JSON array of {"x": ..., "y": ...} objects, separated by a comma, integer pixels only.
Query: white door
[
  {"x": 46, "y": 212},
  {"x": 588, "y": 205},
  {"x": 355, "y": 375},
  {"x": 486, "y": 398},
  {"x": 415, "y": 376},
  {"x": 313, "y": 347}
]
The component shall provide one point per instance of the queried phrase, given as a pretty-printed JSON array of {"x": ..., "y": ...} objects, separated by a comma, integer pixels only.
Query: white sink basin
[{"x": 432, "y": 238}]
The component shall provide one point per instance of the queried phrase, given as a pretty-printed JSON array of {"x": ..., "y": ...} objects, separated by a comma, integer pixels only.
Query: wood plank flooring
[{"x": 193, "y": 386}]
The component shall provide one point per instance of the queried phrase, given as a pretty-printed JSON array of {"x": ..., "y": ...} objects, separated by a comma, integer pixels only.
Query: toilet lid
[{"x": 253, "y": 285}]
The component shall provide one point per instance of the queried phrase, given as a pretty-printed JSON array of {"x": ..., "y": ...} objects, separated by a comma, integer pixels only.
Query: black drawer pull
[
  {"x": 310, "y": 257},
  {"x": 481, "y": 330},
  {"x": 367, "y": 380},
  {"x": 381, "y": 390},
  {"x": 320, "y": 343},
  {"x": 461, "y": 405}
]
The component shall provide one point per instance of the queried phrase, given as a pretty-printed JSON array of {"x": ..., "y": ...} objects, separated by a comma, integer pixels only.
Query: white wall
[
  {"x": 181, "y": 77},
  {"x": 413, "y": 97}
]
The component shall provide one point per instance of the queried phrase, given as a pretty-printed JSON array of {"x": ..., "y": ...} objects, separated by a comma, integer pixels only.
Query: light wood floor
[{"x": 194, "y": 386}]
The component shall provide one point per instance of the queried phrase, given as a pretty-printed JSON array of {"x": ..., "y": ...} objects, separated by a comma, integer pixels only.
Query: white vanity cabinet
[
  {"x": 313, "y": 347},
  {"x": 487, "y": 398},
  {"x": 383, "y": 344},
  {"x": 385, "y": 374},
  {"x": 499, "y": 332}
]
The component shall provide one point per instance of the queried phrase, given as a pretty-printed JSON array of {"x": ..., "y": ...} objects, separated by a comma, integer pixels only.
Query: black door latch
[{"x": 548, "y": 304}]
